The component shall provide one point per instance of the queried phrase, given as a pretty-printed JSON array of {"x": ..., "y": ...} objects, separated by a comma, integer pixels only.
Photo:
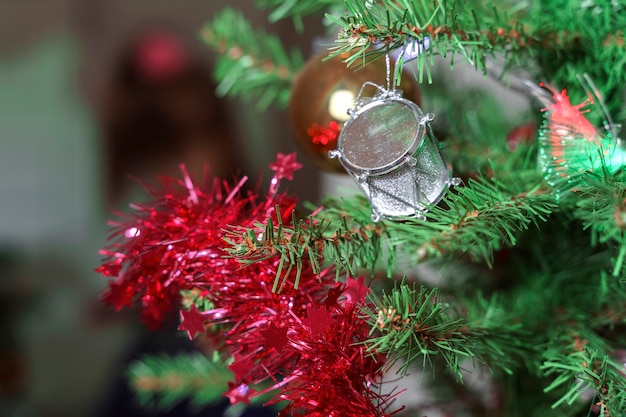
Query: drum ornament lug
[
  {"x": 454, "y": 181},
  {"x": 362, "y": 178},
  {"x": 427, "y": 118},
  {"x": 335, "y": 153}
]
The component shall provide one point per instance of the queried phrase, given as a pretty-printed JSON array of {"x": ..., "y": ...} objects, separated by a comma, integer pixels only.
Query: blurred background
[{"x": 92, "y": 91}]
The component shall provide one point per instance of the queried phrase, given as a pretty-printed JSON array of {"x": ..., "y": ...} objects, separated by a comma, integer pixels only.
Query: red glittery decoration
[
  {"x": 307, "y": 343},
  {"x": 285, "y": 166},
  {"x": 335, "y": 373},
  {"x": 318, "y": 320},
  {"x": 325, "y": 136},
  {"x": 119, "y": 295},
  {"x": 251, "y": 308},
  {"x": 175, "y": 242},
  {"x": 333, "y": 296},
  {"x": 275, "y": 337},
  {"x": 356, "y": 290},
  {"x": 241, "y": 366},
  {"x": 191, "y": 321}
]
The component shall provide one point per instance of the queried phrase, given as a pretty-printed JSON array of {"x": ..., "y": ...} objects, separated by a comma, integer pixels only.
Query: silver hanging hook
[
  {"x": 389, "y": 91},
  {"x": 381, "y": 90}
]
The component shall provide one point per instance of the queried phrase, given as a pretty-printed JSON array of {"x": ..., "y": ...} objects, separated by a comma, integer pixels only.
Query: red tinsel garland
[{"x": 307, "y": 341}]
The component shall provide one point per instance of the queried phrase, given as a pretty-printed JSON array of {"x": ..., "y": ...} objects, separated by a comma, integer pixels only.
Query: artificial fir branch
[
  {"x": 298, "y": 9},
  {"x": 585, "y": 365},
  {"x": 536, "y": 327},
  {"x": 478, "y": 219},
  {"x": 317, "y": 241},
  {"x": 598, "y": 49},
  {"x": 441, "y": 27},
  {"x": 569, "y": 300},
  {"x": 165, "y": 381},
  {"x": 250, "y": 62},
  {"x": 549, "y": 32},
  {"x": 413, "y": 324},
  {"x": 601, "y": 205}
]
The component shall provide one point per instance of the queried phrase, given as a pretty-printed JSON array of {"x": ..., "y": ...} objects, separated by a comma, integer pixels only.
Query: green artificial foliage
[
  {"x": 250, "y": 62},
  {"x": 564, "y": 37},
  {"x": 601, "y": 207},
  {"x": 530, "y": 279},
  {"x": 476, "y": 219},
  {"x": 415, "y": 334},
  {"x": 296, "y": 9},
  {"x": 162, "y": 382}
]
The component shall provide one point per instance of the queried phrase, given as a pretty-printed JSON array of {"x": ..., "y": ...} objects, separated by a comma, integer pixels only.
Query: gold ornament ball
[{"x": 322, "y": 93}]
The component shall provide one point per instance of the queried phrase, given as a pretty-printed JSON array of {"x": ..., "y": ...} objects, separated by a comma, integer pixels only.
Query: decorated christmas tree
[{"x": 482, "y": 258}]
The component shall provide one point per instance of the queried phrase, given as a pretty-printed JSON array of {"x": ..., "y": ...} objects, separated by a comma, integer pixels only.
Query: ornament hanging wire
[{"x": 388, "y": 148}]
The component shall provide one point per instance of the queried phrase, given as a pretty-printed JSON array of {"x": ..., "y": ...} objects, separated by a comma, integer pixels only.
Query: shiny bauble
[{"x": 322, "y": 93}]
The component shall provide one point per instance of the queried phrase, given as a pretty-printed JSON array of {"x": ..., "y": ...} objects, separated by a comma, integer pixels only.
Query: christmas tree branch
[
  {"x": 250, "y": 63},
  {"x": 475, "y": 30},
  {"x": 601, "y": 206},
  {"x": 166, "y": 381},
  {"x": 548, "y": 33},
  {"x": 319, "y": 242},
  {"x": 282, "y": 9},
  {"x": 411, "y": 324},
  {"x": 536, "y": 326},
  {"x": 597, "y": 47},
  {"x": 586, "y": 364},
  {"x": 443, "y": 27},
  {"x": 569, "y": 299},
  {"x": 477, "y": 219}
]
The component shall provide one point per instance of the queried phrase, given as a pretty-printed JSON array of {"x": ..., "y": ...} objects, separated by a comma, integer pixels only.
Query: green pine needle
[
  {"x": 444, "y": 26},
  {"x": 586, "y": 366},
  {"x": 164, "y": 381},
  {"x": 601, "y": 205},
  {"x": 251, "y": 63},
  {"x": 297, "y": 9},
  {"x": 411, "y": 323},
  {"x": 477, "y": 219}
]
